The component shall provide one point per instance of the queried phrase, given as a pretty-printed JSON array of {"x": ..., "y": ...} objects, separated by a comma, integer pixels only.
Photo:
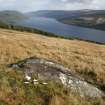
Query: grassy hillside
[
  {"x": 87, "y": 59},
  {"x": 95, "y": 22},
  {"x": 83, "y": 57}
]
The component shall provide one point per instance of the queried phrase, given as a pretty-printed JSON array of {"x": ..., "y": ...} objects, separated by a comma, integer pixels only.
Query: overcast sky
[{"x": 33, "y": 5}]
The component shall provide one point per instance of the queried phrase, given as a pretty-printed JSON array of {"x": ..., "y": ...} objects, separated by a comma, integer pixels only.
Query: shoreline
[{"x": 38, "y": 31}]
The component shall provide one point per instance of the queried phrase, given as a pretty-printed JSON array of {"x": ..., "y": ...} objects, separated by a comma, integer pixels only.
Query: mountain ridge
[{"x": 10, "y": 16}]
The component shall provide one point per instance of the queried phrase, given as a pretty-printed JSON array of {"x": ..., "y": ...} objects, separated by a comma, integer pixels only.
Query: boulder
[{"x": 48, "y": 70}]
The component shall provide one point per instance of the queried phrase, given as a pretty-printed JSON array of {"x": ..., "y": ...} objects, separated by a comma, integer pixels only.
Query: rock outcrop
[{"x": 47, "y": 70}]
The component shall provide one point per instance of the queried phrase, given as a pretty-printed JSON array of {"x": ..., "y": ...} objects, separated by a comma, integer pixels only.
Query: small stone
[
  {"x": 26, "y": 82},
  {"x": 44, "y": 83},
  {"x": 35, "y": 80},
  {"x": 28, "y": 77},
  {"x": 36, "y": 83}
]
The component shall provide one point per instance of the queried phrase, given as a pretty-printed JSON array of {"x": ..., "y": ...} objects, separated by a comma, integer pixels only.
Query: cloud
[
  {"x": 31, "y": 5},
  {"x": 6, "y": 2}
]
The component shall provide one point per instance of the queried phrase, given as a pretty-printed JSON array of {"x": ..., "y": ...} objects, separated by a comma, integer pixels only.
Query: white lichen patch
[
  {"x": 63, "y": 78},
  {"x": 70, "y": 81}
]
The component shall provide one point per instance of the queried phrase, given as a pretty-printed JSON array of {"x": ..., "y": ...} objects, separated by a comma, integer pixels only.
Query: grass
[
  {"x": 81, "y": 56},
  {"x": 14, "y": 92},
  {"x": 85, "y": 58}
]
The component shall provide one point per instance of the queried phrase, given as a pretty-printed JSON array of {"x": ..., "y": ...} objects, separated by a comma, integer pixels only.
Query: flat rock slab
[{"x": 47, "y": 70}]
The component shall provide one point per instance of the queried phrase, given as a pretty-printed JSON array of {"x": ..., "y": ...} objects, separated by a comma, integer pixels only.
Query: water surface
[{"x": 53, "y": 26}]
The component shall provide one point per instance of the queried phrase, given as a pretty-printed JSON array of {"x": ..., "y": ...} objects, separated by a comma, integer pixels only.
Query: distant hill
[
  {"x": 45, "y": 13},
  {"x": 84, "y": 18},
  {"x": 57, "y": 14},
  {"x": 97, "y": 22},
  {"x": 60, "y": 14},
  {"x": 11, "y": 16},
  {"x": 91, "y": 19}
]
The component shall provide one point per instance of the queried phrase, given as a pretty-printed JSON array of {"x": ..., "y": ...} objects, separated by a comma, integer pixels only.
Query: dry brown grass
[{"x": 84, "y": 57}]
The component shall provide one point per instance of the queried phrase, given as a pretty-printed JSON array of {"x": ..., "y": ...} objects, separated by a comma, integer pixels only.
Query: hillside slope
[
  {"x": 86, "y": 59},
  {"x": 61, "y": 14},
  {"x": 95, "y": 22},
  {"x": 83, "y": 57}
]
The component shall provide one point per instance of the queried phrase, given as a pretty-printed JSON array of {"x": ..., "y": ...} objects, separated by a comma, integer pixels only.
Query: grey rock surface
[{"x": 47, "y": 70}]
